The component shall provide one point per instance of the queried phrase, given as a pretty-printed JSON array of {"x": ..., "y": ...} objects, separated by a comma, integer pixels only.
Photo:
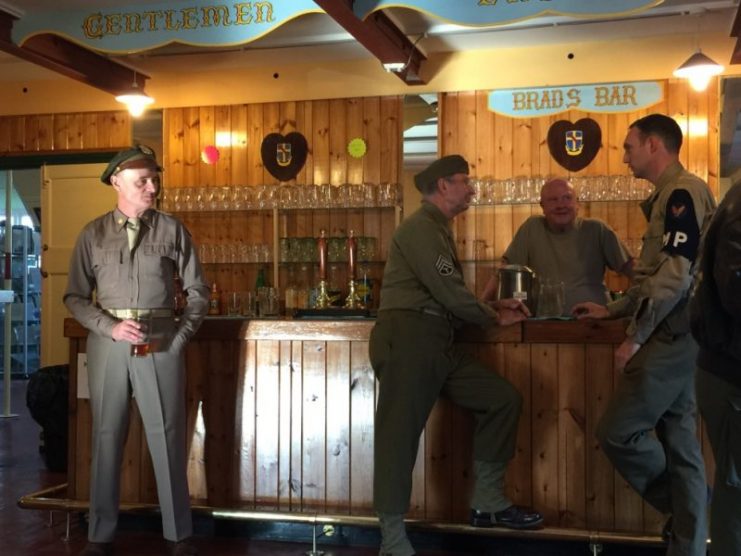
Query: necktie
[{"x": 132, "y": 230}]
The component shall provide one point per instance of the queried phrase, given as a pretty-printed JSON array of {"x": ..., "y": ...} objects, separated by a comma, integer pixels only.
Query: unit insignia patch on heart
[
  {"x": 574, "y": 145},
  {"x": 284, "y": 155}
]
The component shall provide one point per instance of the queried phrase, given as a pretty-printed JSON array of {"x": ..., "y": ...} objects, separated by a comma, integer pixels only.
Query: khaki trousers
[
  {"x": 416, "y": 361},
  {"x": 649, "y": 433},
  {"x": 157, "y": 382}
]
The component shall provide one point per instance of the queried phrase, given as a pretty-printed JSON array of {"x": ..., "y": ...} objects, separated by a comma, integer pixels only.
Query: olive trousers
[
  {"x": 649, "y": 433},
  {"x": 157, "y": 382},
  {"x": 416, "y": 360}
]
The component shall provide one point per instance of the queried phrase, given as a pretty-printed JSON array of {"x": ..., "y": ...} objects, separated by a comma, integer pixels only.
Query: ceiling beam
[
  {"x": 69, "y": 59},
  {"x": 380, "y": 36}
]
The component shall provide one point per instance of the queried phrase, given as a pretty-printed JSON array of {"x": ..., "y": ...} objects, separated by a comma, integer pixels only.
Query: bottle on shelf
[
  {"x": 303, "y": 288},
  {"x": 214, "y": 305},
  {"x": 364, "y": 286}
]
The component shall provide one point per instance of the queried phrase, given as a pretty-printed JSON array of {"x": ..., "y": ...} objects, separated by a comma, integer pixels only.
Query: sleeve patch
[
  {"x": 444, "y": 266},
  {"x": 681, "y": 231}
]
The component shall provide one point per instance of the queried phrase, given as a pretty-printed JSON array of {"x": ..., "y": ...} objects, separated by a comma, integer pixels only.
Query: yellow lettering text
[
  {"x": 242, "y": 13},
  {"x": 190, "y": 18},
  {"x": 132, "y": 23},
  {"x": 629, "y": 95},
  {"x": 151, "y": 18},
  {"x": 487, "y": 2},
  {"x": 600, "y": 96},
  {"x": 113, "y": 24},
  {"x": 92, "y": 26},
  {"x": 214, "y": 15},
  {"x": 170, "y": 23},
  {"x": 518, "y": 101},
  {"x": 574, "y": 98},
  {"x": 261, "y": 7}
]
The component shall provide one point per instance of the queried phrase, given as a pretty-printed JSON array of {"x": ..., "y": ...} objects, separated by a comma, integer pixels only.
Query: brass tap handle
[
  {"x": 322, "y": 246},
  {"x": 352, "y": 248}
]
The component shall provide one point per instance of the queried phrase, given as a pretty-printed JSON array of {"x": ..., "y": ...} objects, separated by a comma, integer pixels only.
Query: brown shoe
[
  {"x": 97, "y": 549},
  {"x": 182, "y": 548}
]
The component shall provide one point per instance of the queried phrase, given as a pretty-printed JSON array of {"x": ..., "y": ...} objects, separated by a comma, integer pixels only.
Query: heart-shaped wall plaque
[
  {"x": 284, "y": 155},
  {"x": 574, "y": 145}
]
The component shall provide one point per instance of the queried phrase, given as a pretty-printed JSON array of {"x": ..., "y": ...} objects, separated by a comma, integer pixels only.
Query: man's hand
[
  {"x": 127, "y": 331},
  {"x": 509, "y": 311},
  {"x": 589, "y": 310},
  {"x": 625, "y": 353}
]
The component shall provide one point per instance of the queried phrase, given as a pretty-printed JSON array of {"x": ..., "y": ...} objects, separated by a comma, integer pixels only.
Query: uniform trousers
[
  {"x": 649, "y": 433},
  {"x": 415, "y": 360},
  {"x": 720, "y": 406},
  {"x": 157, "y": 382}
]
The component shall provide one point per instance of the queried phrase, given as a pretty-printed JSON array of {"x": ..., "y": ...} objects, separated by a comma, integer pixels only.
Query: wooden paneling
[
  {"x": 500, "y": 147},
  {"x": 64, "y": 132},
  {"x": 287, "y": 416}
]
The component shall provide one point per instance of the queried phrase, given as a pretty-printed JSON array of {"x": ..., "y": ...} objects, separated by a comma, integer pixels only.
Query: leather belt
[{"x": 140, "y": 313}]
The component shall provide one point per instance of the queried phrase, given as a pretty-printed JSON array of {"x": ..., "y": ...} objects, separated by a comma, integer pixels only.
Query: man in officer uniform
[
  {"x": 412, "y": 350},
  {"x": 716, "y": 324},
  {"x": 123, "y": 268},
  {"x": 656, "y": 391}
]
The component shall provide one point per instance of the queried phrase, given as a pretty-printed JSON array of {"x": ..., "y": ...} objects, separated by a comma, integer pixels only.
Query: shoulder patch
[
  {"x": 444, "y": 266},
  {"x": 681, "y": 231}
]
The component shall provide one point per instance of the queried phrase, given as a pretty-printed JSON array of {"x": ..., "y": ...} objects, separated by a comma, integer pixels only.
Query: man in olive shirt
[
  {"x": 412, "y": 350},
  {"x": 124, "y": 267},
  {"x": 562, "y": 247},
  {"x": 649, "y": 430}
]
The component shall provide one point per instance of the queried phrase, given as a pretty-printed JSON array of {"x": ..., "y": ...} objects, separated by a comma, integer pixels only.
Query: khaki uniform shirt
[
  {"x": 577, "y": 257},
  {"x": 143, "y": 279},
  {"x": 423, "y": 272},
  {"x": 678, "y": 212}
]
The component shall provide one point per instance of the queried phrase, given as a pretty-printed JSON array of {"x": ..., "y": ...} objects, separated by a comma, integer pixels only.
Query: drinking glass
[
  {"x": 550, "y": 299},
  {"x": 142, "y": 347}
]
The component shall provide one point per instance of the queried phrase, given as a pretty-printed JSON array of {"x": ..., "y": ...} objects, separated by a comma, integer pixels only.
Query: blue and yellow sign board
[
  {"x": 143, "y": 26},
  {"x": 478, "y": 13},
  {"x": 601, "y": 97}
]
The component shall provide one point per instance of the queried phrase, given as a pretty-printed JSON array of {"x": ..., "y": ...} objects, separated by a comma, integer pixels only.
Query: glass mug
[
  {"x": 550, "y": 299},
  {"x": 142, "y": 348}
]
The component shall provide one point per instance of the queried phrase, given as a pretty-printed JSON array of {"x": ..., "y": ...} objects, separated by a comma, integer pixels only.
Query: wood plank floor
[{"x": 30, "y": 532}]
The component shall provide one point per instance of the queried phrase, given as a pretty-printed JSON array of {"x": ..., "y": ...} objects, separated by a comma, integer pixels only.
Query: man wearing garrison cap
[
  {"x": 123, "y": 271},
  {"x": 423, "y": 299}
]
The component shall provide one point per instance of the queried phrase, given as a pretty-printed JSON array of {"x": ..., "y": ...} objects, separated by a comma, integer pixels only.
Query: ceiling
[{"x": 338, "y": 36}]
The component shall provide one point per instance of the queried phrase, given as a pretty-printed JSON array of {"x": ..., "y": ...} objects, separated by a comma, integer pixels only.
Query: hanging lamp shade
[
  {"x": 135, "y": 99},
  {"x": 698, "y": 69}
]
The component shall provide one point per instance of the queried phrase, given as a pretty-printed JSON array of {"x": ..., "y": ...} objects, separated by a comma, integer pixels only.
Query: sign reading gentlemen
[{"x": 195, "y": 22}]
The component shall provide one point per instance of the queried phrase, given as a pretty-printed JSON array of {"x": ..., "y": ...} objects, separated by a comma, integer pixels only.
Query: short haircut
[{"x": 663, "y": 127}]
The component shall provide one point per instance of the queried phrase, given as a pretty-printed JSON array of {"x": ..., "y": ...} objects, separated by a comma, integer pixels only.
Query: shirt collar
[
  {"x": 120, "y": 218},
  {"x": 435, "y": 213}
]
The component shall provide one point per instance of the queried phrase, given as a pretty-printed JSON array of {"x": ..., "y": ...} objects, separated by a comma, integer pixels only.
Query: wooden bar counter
[{"x": 280, "y": 419}]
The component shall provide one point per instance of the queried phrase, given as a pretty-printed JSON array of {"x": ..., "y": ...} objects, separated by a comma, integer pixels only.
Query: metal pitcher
[{"x": 516, "y": 282}]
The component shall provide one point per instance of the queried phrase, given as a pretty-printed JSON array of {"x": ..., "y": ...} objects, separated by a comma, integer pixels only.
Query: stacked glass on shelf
[
  {"x": 282, "y": 196},
  {"x": 210, "y": 253},
  {"x": 526, "y": 189},
  {"x": 304, "y": 249}
]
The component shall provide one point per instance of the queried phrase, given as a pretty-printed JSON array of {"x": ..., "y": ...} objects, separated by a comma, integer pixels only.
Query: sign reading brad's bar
[
  {"x": 601, "y": 97},
  {"x": 479, "y": 13},
  {"x": 142, "y": 26}
]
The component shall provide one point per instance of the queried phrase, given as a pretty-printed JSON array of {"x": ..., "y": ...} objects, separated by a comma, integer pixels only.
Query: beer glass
[{"x": 142, "y": 348}]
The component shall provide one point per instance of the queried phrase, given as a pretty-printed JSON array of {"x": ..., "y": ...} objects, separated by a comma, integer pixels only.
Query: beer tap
[
  {"x": 322, "y": 298},
  {"x": 352, "y": 301}
]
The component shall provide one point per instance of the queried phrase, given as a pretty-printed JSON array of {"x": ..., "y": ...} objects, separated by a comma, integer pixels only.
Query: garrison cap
[
  {"x": 442, "y": 167},
  {"x": 138, "y": 156}
]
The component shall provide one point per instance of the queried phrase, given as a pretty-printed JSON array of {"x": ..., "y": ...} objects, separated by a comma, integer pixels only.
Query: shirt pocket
[
  {"x": 159, "y": 260},
  {"x": 107, "y": 265}
]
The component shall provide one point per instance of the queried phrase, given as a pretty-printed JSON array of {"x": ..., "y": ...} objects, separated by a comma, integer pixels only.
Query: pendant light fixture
[
  {"x": 135, "y": 99},
  {"x": 698, "y": 69}
]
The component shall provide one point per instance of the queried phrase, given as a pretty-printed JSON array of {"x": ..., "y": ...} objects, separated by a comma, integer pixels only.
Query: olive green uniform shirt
[
  {"x": 105, "y": 274},
  {"x": 423, "y": 272},
  {"x": 662, "y": 280},
  {"x": 577, "y": 257}
]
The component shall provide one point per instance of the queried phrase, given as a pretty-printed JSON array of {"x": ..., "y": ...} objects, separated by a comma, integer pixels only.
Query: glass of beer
[{"x": 142, "y": 348}]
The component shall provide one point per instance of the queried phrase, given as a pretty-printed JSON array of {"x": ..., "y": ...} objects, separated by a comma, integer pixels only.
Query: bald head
[{"x": 558, "y": 201}]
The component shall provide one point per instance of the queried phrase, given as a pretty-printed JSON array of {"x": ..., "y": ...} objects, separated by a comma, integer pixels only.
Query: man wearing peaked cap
[
  {"x": 423, "y": 299},
  {"x": 122, "y": 274},
  {"x": 442, "y": 167},
  {"x": 139, "y": 156}
]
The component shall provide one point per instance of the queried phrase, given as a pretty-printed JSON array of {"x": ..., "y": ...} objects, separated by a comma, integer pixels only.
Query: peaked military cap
[
  {"x": 442, "y": 167},
  {"x": 138, "y": 156}
]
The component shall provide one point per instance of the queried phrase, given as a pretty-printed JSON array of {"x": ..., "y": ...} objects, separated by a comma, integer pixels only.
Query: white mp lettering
[{"x": 680, "y": 237}]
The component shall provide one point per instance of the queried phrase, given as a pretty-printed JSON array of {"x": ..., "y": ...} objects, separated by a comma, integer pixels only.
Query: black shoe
[
  {"x": 514, "y": 517},
  {"x": 182, "y": 548}
]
